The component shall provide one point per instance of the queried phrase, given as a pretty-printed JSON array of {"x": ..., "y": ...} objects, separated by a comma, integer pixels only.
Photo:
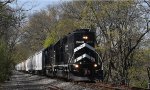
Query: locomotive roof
[
  {"x": 82, "y": 30},
  {"x": 76, "y": 31}
]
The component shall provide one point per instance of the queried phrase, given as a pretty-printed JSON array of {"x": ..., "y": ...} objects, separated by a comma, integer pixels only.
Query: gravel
[{"x": 23, "y": 81}]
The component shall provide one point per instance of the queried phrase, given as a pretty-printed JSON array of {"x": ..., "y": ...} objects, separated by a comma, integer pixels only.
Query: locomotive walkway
[{"x": 22, "y": 81}]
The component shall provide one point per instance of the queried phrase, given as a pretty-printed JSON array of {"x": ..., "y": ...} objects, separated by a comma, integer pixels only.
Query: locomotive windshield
[{"x": 88, "y": 38}]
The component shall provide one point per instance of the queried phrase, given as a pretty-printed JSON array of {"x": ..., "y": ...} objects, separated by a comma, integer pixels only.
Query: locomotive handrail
[
  {"x": 69, "y": 62},
  {"x": 100, "y": 59},
  {"x": 70, "y": 59}
]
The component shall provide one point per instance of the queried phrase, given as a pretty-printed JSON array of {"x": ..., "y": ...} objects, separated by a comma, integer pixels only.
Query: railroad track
[
  {"x": 53, "y": 88},
  {"x": 22, "y": 81}
]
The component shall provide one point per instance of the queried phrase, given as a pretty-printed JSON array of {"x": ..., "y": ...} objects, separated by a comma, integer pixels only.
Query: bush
[{"x": 5, "y": 63}]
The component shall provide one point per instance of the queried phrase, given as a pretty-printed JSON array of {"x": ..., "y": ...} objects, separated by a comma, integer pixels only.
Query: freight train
[{"x": 73, "y": 57}]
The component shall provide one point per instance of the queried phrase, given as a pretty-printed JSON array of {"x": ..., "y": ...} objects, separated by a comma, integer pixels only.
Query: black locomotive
[{"x": 73, "y": 57}]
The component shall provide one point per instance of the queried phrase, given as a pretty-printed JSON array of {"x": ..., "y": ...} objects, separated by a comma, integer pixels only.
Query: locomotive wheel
[
  {"x": 52, "y": 76},
  {"x": 68, "y": 76},
  {"x": 55, "y": 73}
]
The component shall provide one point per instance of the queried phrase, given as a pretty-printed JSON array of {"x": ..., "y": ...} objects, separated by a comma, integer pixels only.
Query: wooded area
[{"x": 122, "y": 27}]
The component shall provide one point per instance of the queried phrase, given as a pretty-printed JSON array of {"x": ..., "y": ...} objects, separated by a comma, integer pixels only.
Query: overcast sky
[{"x": 37, "y": 4}]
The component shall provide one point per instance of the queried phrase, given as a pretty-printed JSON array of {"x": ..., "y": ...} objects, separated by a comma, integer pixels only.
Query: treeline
[
  {"x": 122, "y": 35},
  {"x": 10, "y": 23}
]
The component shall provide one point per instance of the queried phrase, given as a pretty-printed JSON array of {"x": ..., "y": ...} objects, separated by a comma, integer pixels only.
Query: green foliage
[
  {"x": 138, "y": 72},
  {"x": 138, "y": 77},
  {"x": 51, "y": 39},
  {"x": 21, "y": 53},
  {"x": 62, "y": 27},
  {"x": 5, "y": 63}
]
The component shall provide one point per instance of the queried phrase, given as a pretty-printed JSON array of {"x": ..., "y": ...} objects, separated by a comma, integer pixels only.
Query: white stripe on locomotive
[
  {"x": 82, "y": 46},
  {"x": 83, "y": 56}
]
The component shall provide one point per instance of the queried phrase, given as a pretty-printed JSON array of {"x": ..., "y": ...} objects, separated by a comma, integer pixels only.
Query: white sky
[{"x": 36, "y": 5}]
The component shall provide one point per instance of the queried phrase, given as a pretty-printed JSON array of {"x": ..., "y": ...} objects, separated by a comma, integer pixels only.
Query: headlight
[
  {"x": 95, "y": 65},
  {"x": 85, "y": 37},
  {"x": 76, "y": 66}
]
